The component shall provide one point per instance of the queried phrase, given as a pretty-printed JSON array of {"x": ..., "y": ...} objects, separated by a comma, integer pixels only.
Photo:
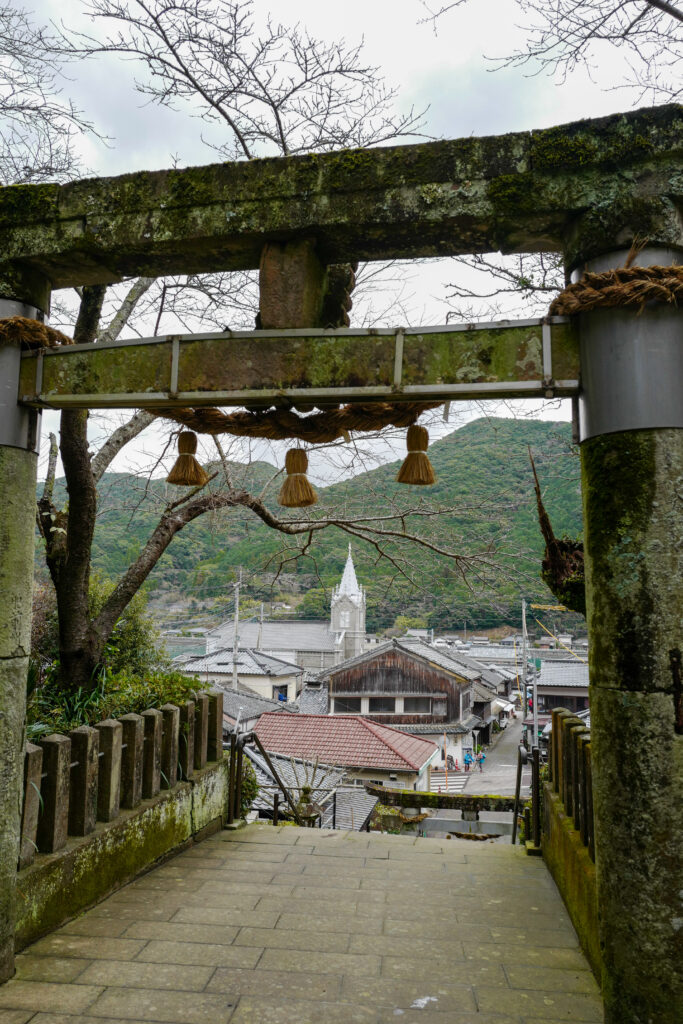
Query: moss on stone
[
  {"x": 28, "y": 204},
  {"x": 59, "y": 886},
  {"x": 512, "y": 194}
]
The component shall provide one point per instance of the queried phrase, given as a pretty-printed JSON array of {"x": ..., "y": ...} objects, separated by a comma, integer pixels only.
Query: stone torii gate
[{"x": 586, "y": 190}]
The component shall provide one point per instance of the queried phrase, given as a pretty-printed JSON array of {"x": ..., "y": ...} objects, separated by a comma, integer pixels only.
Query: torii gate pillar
[
  {"x": 632, "y": 466},
  {"x": 18, "y": 468}
]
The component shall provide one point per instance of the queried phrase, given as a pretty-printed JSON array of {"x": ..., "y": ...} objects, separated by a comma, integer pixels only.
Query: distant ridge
[{"x": 483, "y": 468}]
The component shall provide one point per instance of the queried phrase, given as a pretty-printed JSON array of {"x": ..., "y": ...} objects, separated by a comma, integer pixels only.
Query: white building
[
  {"x": 348, "y": 613},
  {"x": 310, "y": 644}
]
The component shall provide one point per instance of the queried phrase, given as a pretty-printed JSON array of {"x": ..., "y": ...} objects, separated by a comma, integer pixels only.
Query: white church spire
[{"x": 349, "y": 583}]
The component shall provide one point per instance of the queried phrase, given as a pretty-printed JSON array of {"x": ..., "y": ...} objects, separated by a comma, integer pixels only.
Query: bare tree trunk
[{"x": 69, "y": 557}]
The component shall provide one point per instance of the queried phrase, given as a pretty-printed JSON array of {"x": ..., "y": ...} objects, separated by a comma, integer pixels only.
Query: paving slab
[{"x": 298, "y": 926}]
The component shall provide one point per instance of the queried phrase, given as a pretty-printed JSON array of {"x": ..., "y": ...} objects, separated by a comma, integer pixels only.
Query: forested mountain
[{"x": 484, "y": 481}]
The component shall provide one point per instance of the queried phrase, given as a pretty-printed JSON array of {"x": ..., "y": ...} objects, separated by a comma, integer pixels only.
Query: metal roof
[{"x": 346, "y": 740}]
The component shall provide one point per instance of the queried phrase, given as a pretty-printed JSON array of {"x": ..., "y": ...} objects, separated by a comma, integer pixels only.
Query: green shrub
[
  {"x": 52, "y": 708},
  {"x": 250, "y": 786}
]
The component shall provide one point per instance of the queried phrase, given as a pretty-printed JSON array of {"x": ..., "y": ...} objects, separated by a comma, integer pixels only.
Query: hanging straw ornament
[
  {"x": 416, "y": 468},
  {"x": 187, "y": 472},
  {"x": 296, "y": 491}
]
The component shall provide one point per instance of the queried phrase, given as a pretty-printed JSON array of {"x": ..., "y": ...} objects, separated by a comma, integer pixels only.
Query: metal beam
[
  {"x": 510, "y": 359},
  {"x": 516, "y": 192}
]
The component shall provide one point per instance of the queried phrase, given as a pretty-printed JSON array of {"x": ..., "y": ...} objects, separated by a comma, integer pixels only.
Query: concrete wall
[
  {"x": 574, "y": 873},
  {"x": 58, "y": 886}
]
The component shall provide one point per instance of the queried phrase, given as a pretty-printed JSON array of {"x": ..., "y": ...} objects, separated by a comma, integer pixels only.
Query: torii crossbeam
[{"x": 587, "y": 190}]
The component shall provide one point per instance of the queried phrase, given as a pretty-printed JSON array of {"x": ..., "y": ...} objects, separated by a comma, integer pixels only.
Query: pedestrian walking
[{"x": 480, "y": 761}]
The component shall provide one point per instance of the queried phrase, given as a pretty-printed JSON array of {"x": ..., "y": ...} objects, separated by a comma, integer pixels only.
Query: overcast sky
[{"x": 444, "y": 71}]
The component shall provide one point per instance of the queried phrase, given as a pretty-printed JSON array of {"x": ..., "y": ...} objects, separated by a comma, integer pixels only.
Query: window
[
  {"x": 382, "y": 705},
  {"x": 466, "y": 699},
  {"x": 347, "y": 705},
  {"x": 280, "y": 693},
  {"x": 345, "y": 619},
  {"x": 417, "y": 705}
]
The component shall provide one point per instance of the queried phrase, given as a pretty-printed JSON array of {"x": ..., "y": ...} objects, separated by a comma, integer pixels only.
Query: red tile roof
[{"x": 348, "y": 740}]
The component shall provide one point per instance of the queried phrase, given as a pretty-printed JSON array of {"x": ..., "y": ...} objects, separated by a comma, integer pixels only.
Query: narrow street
[{"x": 500, "y": 767}]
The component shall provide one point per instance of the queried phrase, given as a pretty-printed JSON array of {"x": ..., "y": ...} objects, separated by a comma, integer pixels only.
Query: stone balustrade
[{"x": 72, "y": 782}]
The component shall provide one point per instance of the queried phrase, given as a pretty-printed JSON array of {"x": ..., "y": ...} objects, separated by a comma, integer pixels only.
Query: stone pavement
[{"x": 299, "y": 926}]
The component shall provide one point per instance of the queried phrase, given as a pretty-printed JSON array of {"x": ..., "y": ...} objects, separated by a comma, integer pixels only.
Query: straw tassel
[
  {"x": 296, "y": 491},
  {"x": 187, "y": 472},
  {"x": 416, "y": 468}
]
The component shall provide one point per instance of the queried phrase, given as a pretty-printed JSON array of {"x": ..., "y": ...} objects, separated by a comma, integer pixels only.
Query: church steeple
[
  {"x": 348, "y": 611},
  {"x": 349, "y": 583}
]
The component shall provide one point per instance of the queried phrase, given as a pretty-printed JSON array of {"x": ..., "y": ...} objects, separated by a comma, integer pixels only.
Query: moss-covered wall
[
  {"x": 61, "y": 885},
  {"x": 574, "y": 873},
  {"x": 17, "y": 518}
]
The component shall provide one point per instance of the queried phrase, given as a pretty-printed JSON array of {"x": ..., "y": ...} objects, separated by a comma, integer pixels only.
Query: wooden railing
[
  {"x": 571, "y": 772},
  {"x": 71, "y": 782}
]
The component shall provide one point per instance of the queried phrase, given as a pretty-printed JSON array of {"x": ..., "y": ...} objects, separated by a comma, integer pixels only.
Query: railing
[
  {"x": 532, "y": 815},
  {"x": 571, "y": 772},
  {"x": 71, "y": 782},
  {"x": 237, "y": 744}
]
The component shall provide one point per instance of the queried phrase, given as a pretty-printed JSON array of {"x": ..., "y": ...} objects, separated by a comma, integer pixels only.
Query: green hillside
[{"x": 484, "y": 484}]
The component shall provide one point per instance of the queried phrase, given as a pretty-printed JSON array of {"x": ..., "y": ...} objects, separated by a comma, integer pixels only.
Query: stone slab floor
[{"x": 294, "y": 926}]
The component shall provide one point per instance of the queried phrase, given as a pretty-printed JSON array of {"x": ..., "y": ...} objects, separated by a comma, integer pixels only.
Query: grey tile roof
[
  {"x": 294, "y": 773},
  {"x": 249, "y": 663},
  {"x": 251, "y": 704},
  {"x": 482, "y": 694},
  {"x": 564, "y": 674},
  {"x": 282, "y": 635},
  {"x": 314, "y": 700},
  {"x": 450, "y": 728},
  {"x": 410, "y": 646},
  {"x": 354, "y": 807}
]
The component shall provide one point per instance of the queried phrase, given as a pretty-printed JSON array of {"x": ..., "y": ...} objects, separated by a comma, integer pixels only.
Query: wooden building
[{"x": 409, "y": 685}]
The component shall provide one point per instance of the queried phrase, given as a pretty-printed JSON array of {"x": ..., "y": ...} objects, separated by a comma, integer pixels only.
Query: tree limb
[
  {"x": 124, "y": 311},
  {"x": 121, "y": 436}
]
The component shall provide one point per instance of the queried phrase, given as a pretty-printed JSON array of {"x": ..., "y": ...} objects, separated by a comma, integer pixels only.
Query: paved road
[{"x": 500, "y": 766}]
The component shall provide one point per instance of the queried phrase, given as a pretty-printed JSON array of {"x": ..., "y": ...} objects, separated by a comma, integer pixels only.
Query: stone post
[
  {"x": 631, "y": 420},
  {"x": 18, "y": 468}
]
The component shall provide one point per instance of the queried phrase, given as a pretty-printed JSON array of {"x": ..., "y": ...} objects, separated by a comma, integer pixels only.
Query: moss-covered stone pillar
[
  {"x": 632, "y": 466},
  {"x": 18, "y": 465}
]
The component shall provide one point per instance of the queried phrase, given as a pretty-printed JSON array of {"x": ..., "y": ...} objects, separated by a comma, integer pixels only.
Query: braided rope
[
  {"x": 282, "y": 424},
  {"x": 623, "y": 286},
  {"x": 21, "y": 330}
]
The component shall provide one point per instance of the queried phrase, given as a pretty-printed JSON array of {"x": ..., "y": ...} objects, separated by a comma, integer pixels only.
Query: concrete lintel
[
  {"x": 515, "y": 192},
  {"x": 311, "y": 366}
]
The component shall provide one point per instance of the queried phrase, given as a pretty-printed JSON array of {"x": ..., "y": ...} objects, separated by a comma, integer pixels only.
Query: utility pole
[{"x": 236, "y": 638}]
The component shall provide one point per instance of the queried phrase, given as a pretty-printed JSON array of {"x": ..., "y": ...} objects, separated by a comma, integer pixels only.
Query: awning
[{"x": 501, "y": 705}]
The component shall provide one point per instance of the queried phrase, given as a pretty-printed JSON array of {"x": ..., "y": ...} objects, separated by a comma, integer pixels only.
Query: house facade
[
  {"x": 260, "y": 673},
  {"x": 412, "y": 687}
]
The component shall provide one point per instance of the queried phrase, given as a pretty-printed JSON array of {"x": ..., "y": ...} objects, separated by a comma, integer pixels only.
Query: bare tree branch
[
  {"x": 118, "y": 440},
  {"x": 125, "y": 310}
]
